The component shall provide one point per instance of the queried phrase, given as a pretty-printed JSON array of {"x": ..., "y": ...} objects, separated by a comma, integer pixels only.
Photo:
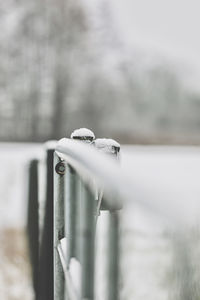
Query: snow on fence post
[
  {"x": 84, "y": 210},
  {"x": 74, "y": 205},
  {"x": 70, "y": 212},
  {"x": 112, "y": 148},
  {"x": 83, "y": 134}
]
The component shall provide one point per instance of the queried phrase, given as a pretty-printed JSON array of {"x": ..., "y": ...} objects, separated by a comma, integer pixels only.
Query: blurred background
[
  {"x": 70, "y": 64},
  {"x": 127, "y": 69}
]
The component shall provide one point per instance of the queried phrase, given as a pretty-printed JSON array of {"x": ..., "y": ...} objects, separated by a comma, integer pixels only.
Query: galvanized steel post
[
  {"x": 75, "y": 210},
  {"x": 59, "y": 224},
  {"x": 87, "y": 244},
  {"x": 113, "y": 256},
  {"x": 70, "y": 212},
  {"x": 46, "y": 249}
]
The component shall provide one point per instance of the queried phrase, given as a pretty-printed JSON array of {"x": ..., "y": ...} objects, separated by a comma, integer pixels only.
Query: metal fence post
[
  {"x": 59, "y": 225},
  {"x": 87, "y": 244},
  {"x": 46, "y": 249},
  {"x": 79, "y": 216},
  {"x": 33, "y": 223},
  {"x": 71, "y": 212},
  {"x": 113, "y": 256}
]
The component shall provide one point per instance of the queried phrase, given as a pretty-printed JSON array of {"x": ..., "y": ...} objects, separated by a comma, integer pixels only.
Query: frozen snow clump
[
  {"x": 83, "y": 134},
  {"x": 107, "y": 145}
]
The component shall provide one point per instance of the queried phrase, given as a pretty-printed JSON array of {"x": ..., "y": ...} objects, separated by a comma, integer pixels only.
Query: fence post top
[
  {"x": 107, "y": 145},
  {"x": 83, "y": 134},
  {"x": 51, "y": 144}
]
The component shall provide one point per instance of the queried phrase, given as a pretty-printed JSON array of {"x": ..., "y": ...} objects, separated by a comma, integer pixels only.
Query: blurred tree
[{"x": 64, "y": 66}]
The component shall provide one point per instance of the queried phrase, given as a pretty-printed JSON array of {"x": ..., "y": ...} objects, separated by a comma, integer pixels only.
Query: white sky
[{"x": 171, "y": 27}]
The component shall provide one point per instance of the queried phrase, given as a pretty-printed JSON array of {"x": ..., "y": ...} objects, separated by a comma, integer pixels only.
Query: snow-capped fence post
[
  {"x": 68, "y": 221},
  {"x": 80, "y": 215},
  {"x": 112, "y": 148},
  {"x": 33, "y": 222},
  {"x": 79, "y": 171},
  {"x": 84, "y": 221},
  {"x": 75, "y": 202}
]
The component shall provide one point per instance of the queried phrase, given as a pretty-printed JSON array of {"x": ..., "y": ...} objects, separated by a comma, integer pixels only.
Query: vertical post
[
  {"x": 113, "y": 257},
  {"x": 33, "y": 223},
  {"x": 59, "y": 224},
  {"x": 79, "y": 217},
  {"x": 87, "y": 244},
  {"x": 46, "y": 249},
  {"x": 71, "y": 211}
]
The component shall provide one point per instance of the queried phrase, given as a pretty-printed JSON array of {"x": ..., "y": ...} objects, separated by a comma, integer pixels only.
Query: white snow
[
  {"x": 149, "y": 264},
  {"x": 101, "y": 142},
  {"x": 82, "y": 132},
  {"x": 63, "y": 243},
  {"x": 106, "y": 145},
  {"x": 50, "y": 144},
  {"x": 171, "y": 172},
  {"x": 74, "y": 267},
  {"x": 150, "y": 257},
  {"x": 14, "y": 160},
  {"x": 75, "y": 273}
]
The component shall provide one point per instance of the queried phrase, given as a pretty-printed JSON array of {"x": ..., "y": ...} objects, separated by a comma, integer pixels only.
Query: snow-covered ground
[
  {"x": 160, "y": 260},
  {"x": 14, "y": 160},
  {"x": 157, "y": 262},
  {"x": 15, "y": 278},
  {"x": 171, "y": 173}
]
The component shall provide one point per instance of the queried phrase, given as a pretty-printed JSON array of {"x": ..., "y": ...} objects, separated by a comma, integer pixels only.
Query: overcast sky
[{"x": 171, "y": 27}]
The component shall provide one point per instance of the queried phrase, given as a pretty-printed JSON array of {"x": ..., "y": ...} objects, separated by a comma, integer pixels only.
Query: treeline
[{"x": 63, "y": 67}]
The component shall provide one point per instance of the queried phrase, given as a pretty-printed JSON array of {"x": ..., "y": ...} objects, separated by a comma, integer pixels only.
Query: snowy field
[
  {"x": 15, "y": 280},
  {"x": 158, "y": 260},
  {"x": 159, "y": 255}
]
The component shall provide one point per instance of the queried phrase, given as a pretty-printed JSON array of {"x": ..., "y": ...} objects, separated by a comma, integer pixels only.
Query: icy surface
[{"x": 82, "y": 132}]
